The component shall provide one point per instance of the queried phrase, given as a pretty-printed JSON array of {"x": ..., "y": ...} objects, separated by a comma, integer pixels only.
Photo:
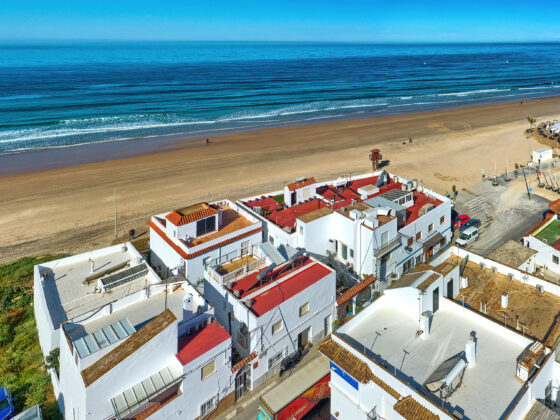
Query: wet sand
[{"x": 71, "y": 209}]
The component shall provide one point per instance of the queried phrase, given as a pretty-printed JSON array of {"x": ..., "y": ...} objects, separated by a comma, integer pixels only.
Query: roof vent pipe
[
  {"x": 470, "y": 351},
  {"x": 505, "y": 300}
]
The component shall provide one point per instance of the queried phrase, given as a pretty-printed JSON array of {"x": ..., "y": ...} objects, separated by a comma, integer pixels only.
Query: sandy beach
[{"x": 71, "y": 209}]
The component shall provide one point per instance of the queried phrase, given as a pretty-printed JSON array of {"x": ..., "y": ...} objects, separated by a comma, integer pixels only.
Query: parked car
[
  {"x": 470, "y": 223},
  {"x": 468, "y": 236},
  {"x": 460, "y": 220},
  {"x": 6, "y": 404}
]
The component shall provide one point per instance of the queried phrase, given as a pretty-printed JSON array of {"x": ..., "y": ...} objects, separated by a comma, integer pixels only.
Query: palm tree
[{"x": 531, "y": 121}]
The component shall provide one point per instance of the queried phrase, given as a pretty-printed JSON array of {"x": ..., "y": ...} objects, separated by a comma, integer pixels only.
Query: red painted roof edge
[
  {"x": 295, "y": 185},
  {"x": 186, "y": 256},
  {"x": 538, "y": 225},
  {"x": 354, "y": 290}
]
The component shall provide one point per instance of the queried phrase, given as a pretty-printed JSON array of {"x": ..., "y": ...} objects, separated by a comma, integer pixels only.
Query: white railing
[{"x": 234, "y": 275}]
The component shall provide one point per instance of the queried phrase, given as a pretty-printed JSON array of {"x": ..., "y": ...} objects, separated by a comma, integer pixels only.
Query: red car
[{"x": 460, "y": 220}]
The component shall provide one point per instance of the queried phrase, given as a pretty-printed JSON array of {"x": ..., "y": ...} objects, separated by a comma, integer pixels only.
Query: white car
[{"x": 467, "y": 236}]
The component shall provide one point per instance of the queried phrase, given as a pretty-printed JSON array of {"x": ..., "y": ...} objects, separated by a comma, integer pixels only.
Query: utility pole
[{"x": 116, "y": 234}]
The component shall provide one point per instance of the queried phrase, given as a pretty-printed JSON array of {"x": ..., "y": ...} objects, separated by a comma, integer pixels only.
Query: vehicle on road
[
  {"x": 460, "y": 220},
  {"x": 470, "y": 223},
  {"x": 468, "y": 236},
  {"x": 6, "y": 404}
]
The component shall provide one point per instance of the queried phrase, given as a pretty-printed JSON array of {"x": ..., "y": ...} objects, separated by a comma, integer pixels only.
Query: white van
[{"x": 467, "y": 236}]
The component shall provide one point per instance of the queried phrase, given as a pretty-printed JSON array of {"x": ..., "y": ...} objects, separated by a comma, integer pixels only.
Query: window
[
  {"x": 351, "y": 253},
  {"x": 271, "y": 240},
  {"x": 442, "y": 220},
  {"x": 555, "y": 259},
  {"x": 419, "y": 236},
  {"x": 418, "y": 259},
  {"x": 208, "y": 369},
  {"x": 410, "y": 241},
  {"x": 430, "y": 227},
  {"x": 274, "y": 360},
  {"x": 303, "y": 309},
  {"x": 344, "y": 251},
  {"x": 301, "y": 230},
  {"x": 277, "y": 327},
  {"x": 205, "y": 226},
  {"x": 208, "y": 406}
]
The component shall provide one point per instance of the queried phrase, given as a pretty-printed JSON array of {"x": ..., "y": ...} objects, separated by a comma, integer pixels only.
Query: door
[
  {"x": 242, "y": 381},
  {"x": 450, "y": 289},
  {"x": 303, "y": 338},
  {"x": 328, "y": 325},
  {"x": 294, "y": 197},
  {"x": 435, "y": 300},
  {"x": 383, "y": 268}
]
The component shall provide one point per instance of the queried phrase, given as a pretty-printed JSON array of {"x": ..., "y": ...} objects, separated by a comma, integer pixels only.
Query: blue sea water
[{"x": 62, "y": 94}]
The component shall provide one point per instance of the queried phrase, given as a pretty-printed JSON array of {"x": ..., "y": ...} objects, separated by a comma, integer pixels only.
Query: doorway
[
  {"x": 303, "y": 338},
  {"x": 450, "y": 289},
  {"x": 435, "y": 300},
  {"x": 242, "y": 381}
]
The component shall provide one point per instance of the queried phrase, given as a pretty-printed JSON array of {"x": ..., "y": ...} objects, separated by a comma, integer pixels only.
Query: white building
[
  {"x": 544, "y": 239},
  {"x": 417, "y": 353},
  {"x": 376, "y": 223},
  {"x": 184, "y": 241},
  {"x": 130, "y": 345},
  {"x": 271, "y": 312},
  {"x": 542, "y": 155}
]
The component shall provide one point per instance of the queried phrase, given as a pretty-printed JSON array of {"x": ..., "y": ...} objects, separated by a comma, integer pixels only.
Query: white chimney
[
  {"x": 91, "y": 264},
  {"x": 425, "y": 324},
  {"x": 464, "y": 282},
  {"x": 470, "y": 352},
  {"x": 505, "y": 300},
  {"x": 188, "y": 303}
]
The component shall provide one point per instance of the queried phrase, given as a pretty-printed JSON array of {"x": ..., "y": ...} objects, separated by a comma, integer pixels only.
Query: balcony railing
[{"x": 236, "y": 274}]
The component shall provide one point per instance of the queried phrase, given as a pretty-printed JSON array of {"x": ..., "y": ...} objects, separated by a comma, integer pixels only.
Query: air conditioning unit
[
  {"x": 494, "y": 270},
  {"x": 482, "y": 266},
  {"x": 540, "y": 288},
  {"x": 510, "y": 276}
]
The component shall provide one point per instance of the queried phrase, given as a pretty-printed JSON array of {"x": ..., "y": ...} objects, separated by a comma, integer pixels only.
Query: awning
[{"x": 433, "y": 241}]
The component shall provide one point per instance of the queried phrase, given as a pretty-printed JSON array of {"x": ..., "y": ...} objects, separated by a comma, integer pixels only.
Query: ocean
[{"x": 68, "y": 93}]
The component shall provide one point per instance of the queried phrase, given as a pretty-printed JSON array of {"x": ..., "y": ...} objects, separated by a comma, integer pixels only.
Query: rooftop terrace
[
  {"x": 284, "y": 282},
  {"x": 549, "y": 233},
  {"x": 388, "y": 336},
  {"x": 71, "y": 288},
  {"x": 535, "y": 311}
]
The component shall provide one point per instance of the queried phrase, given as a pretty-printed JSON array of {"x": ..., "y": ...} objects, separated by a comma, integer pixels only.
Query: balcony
[
  {"x": 385, "y": 248},
  {"x": 235, "y": 268}
]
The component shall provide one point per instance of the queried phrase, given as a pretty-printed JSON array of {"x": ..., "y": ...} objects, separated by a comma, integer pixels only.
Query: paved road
[
  {"x": 246, "y": 408},
  {"x": 507, "y": 213}
]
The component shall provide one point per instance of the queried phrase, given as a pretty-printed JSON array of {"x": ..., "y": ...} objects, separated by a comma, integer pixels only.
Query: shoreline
[
  {"x": 71, "y": 209},
  {"x": 34, "y": 160}
]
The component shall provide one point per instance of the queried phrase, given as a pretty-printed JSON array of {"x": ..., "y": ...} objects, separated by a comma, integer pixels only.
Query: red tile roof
[
  {"x": 354, "y": 290},
  {"x": 301, "y": 184},
  {"x": 420, "y": 200},
  {"x": 193, "y": 346},
  {"x": 186, "y": 256},
  {"x": 270, "y": 298},
  {"x": 191, "y": 214}
]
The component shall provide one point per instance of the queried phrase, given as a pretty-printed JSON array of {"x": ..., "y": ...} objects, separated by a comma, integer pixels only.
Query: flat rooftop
[
  {"x": 386, "y": 335},
  {"x": 284, "y": 282},
  {"x": 69, "y": 295},
  {"x": 195, "y": 345},
  {"x": 549, "y": 233},
  {"x": 535, "y": 311}
]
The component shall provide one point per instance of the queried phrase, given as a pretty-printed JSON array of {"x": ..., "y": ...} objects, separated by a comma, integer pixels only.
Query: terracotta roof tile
[
  {"x": 134, "y": 342},
  {"x": 411, "y": 409},
  {"x": 554, "y": 206},
  {"x": 354, "y": 290},
  {"x": 243, "y": 362},
  {"x": 295, "y": 185},
  {"x": 191, "y": 214},
  {"x": 351, "y": 364},
  {"x": 186, "y": 256}
]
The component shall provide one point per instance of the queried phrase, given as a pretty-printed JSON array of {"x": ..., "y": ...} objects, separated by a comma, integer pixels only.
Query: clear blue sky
[{"x": 283, "y": 20}]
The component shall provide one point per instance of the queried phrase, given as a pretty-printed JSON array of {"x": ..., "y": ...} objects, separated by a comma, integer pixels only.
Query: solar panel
[
  {"x": 81, "y": 347},
  {"x": 102, "y": 338},
  {"x": 124, "y": 276}
]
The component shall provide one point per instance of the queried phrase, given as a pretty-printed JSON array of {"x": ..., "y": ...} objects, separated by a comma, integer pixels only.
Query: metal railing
[{"x": 236, "y": 274}]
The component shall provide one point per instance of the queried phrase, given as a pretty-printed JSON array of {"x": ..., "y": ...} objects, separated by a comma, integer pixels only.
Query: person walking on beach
[
  {"x": 207, "y": 141},
  {"x": 410, "y": 139}
]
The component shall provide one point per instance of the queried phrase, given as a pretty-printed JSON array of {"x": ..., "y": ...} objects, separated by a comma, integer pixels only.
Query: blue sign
[{"x": 336, "y": 369}]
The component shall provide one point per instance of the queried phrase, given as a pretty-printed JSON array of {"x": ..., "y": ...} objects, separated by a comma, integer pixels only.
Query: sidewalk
[{"x": 246, "y": 408}]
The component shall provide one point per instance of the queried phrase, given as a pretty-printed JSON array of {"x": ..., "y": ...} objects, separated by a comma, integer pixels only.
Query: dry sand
[{"x": 71, "y": 209}]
